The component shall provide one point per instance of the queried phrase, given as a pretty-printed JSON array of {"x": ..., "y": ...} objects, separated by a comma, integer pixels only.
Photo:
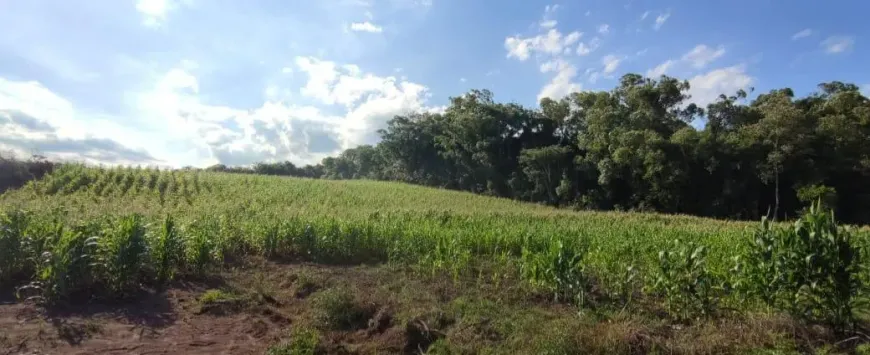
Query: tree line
[{"x": 631, "y": 148}]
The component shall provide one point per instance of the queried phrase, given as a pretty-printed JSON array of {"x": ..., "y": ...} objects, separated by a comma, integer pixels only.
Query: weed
[
  {"x": 336, "y": 308},
  {"x": 303, "y": 341},
  {"x": 220, "y": 302}
]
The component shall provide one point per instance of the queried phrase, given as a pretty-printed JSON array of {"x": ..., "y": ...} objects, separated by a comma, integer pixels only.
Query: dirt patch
[{"x": 367, "y": 310}]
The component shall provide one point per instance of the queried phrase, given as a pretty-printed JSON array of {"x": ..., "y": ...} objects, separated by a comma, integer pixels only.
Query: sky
[{"x": 199, "y": 82}]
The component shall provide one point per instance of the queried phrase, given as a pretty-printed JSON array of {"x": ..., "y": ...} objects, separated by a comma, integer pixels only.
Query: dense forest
[{"x": 632, "y": 148}]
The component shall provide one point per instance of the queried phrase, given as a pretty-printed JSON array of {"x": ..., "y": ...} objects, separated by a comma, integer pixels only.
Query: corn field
[{"x": 107, "y": 231}]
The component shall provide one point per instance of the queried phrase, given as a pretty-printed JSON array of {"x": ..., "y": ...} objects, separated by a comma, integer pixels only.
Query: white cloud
[
  {"x": 696, "y": 58},
  {"x": 705, "y": 88},
  {"x": 548, "y": 23},
  {"x": 366, "y": 27},
  {"x": 562, "y": 83},
  {"x": 552, "y": 43},
  {"x": 462, "y": 80},
  {"x": 154, "y": 11},
  {"x": 802, "y": 34},
  {"x": 584, "y": 49},
  {"x": 33, "y": 119},
  {"x": 702, "y": 55},
  {"x": 660, "y": 20},
  {"x": 644, "y": 16},
  {"x": 604, "y": 29},
  {"x": 838, "y": 44},
  {"x": 660, "y": 70},
  {"x": 611, "y": 63}
]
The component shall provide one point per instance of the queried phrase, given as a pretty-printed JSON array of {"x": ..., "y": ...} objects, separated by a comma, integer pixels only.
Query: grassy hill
[{"x": 495, "y": 256}]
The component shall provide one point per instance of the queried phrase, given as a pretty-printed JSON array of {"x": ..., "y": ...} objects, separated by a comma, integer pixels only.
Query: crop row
[{"x": 814, "y": 269}]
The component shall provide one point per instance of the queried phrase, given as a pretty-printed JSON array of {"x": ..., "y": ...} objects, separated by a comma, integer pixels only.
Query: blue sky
[{"x": 199, "y": 82}]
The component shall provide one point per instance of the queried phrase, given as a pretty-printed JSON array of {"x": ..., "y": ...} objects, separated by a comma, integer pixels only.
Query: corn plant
[
  {"x": 811, "y": 270},
  {"x": 201, "y": 249},
  {"x": 121, "y": 254},
  {"x": 167, "y": 251},
  {"x": 12, "y": 249},
  {"x": 67, "y": 268},
  {"x": 685, "y": 282},
  {"x": 557, "y": 269}
]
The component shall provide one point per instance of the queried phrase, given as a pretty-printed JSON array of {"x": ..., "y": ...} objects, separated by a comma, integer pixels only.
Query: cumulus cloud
[
  {"x": 366, "y": 27},
  {"x": 604, "y": 29},
  {"x": 838, "y": 44},
  {"x": 281, "y": 131},
  {"x": 552, "y": 42},
  {"x": 706, "y": 87},
  {"x": 24, "y": 134},
  {"x": 562, "y": 83}
]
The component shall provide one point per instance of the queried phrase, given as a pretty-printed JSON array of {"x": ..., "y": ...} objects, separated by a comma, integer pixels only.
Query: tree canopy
[{"x": 632, "y": 148}]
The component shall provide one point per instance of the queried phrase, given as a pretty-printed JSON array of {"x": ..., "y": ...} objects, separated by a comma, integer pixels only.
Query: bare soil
[{"x": 402, "y": 312}]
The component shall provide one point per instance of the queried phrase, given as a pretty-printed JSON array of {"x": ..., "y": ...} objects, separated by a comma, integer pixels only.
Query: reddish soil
[
  {"x": 155, "y": 324},
  {"x": 173, "y": 321}
]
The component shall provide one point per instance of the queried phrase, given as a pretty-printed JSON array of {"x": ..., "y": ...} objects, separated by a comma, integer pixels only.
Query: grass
[{"x": 83, "y": 228}]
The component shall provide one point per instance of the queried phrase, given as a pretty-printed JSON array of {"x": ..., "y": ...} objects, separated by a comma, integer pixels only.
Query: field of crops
[{"x": 88, "y": 230}]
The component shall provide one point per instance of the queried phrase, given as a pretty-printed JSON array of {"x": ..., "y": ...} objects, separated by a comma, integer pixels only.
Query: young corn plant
[
  {"x": 121, "y": 254},
  {"x": 557, "y": 269},
  {"x": 812, "y": 270},
  {"x": 167, "y": 251},
  {"x": 201, "y": 250},
  {"x": 67, "y": 268},
  {"x": 12, "y": 246},
  {"x": 689, "y": 289}
]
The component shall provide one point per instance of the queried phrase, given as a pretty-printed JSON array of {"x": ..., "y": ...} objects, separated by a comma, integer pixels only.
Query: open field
[{"x": 242, "y": 263}]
